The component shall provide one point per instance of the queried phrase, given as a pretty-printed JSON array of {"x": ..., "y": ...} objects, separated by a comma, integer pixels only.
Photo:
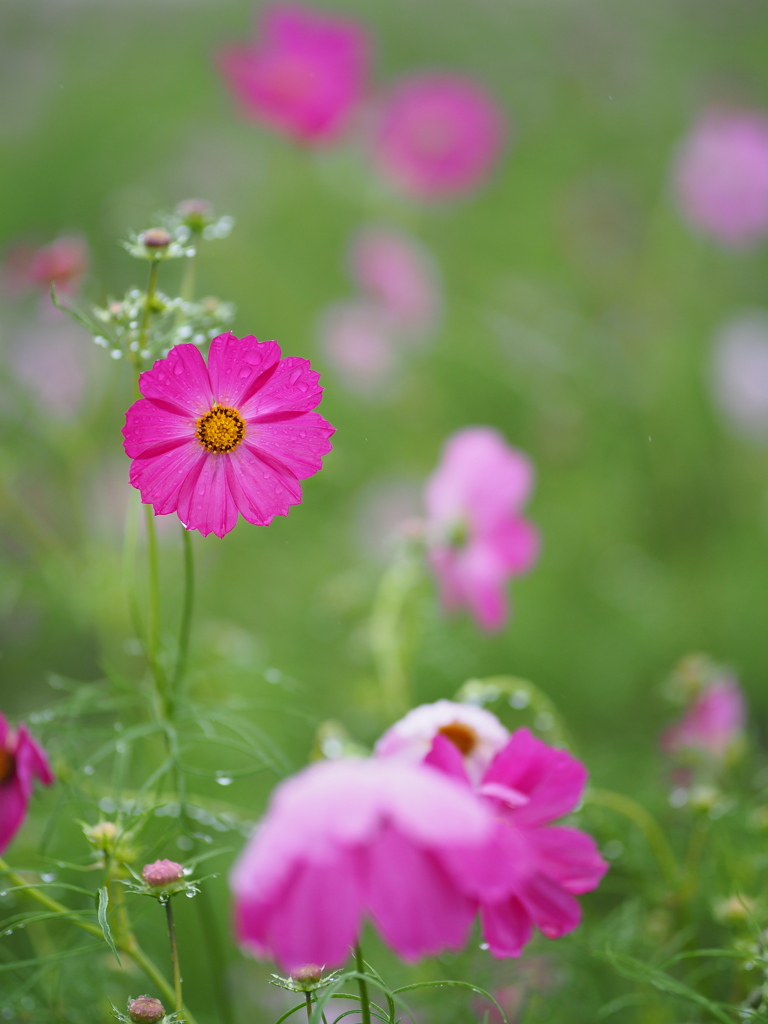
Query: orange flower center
[
  {"x": 7, "y": 765},
  {"x": 221, "y": 429},
  {"x": 460, "y": 735}
]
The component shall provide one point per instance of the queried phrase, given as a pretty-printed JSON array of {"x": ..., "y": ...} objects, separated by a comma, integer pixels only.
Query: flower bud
[
  {"x": 195, "y": 213},
  {"x": 146, "y": 1010},
  {"x": 162, "y": 872},
  {"x": 309, "y": 974},
  {"x": 102, "y": 835},
  {"x": 156, "y": 238}
]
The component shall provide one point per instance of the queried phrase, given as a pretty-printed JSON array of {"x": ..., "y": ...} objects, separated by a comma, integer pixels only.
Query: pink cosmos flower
[
  {"x": 721, "y": 175},
  {"x": 398, "y": 274},
  {"x": 477, "y": 537},
  {"x": 304, "y": 76},
  {"x": 235, "y": 436},
  {"x": 437, "y": 136},
  {"x": 347, "y": 839},
  {"x": 21, "y": 762},
  {"x": 62, "y": 263},
  {"x": 477, "y": 733},
  {"x": 539, "y": 868},
  {"x": 713, "y": 724},
  {"x": 359, "y": 342}
]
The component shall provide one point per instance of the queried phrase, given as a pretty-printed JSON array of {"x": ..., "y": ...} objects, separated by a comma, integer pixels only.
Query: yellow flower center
[
  {"x": 7, "y": 765},
  {"x": 221, "y": 429},
  {"x": 460, "y": 735}
]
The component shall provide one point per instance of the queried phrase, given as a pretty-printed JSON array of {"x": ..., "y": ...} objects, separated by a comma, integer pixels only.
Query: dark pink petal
[
  {"x": 298, "y": 443},
  {"x": 496, "y": 870},
  {"x": 515, "y": 543},
  {"x": 147, "y": 427},
  {"x": 443, "y": 561},
  {"x": 553, "y": 779},
  {"x": 446, "y": 758},
  {"x": 569, "y": 857},
  {"x": 238, "y": 366},
  {"x": 205, "y": 502},
  {"x": 506, "y": 927},
  {"x": 179, "y": 382},
  {"x": 417, "y": 908},
  {"x": 13, "y": 809},
  {"x": 261, "y": 488},
  {"x": 554, "y": 911},
  {"x": 5, "y": 731},
  {"x": 482, "y": 579},
  {"x": 159, "y": 477},
  {"x": 31, "y": 761},
  {"x": 292, "y": 388}
]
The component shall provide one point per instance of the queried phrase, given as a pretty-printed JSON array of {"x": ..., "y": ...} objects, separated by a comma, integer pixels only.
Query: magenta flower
[
  {"x": 347, "y": 839},
  {"x": 21, "y": 762},
  {"x": 234, "y": 437},
  {"x": 721, "y": 175},
  {"x": 477, "y": 734},
  {"x": 539, "y": 868},
  {"x": 712, "y": 726},
  {"x": 304, "y": 77},
  {"x": 437, "y": 136},
  {"x": 358, "y": 340},
  {"x": 477, "y": 537}
]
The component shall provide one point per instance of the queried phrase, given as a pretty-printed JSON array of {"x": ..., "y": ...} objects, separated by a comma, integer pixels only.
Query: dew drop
[
  {"x": 178, "y": 368},
  {"x": 519, "y": 699},
  {"x": 88, "y": 770},
  {"x": 484, "y": 945},
  {"x": 49, "y": 877},
  {"x": 223, "y": 779}
]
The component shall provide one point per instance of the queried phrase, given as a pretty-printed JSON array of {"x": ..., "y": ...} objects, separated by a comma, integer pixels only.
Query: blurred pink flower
[
  {"x": 739, "y": 372},
  {"x": 713, "y": 724},
  {"x": 235, "y": 436},
  {"x": 477, "y": 537},
  {"x": 346, "y": 839},
  {"x": 53, "y": 362},
  {"x": 477, "y": 733},
  {"x": 538, "y": 868},
  {"x": 21, "y": 762},
  {"x": 396, "y": 272},
  {"x": 359, "y": 342},
  {"x": 721, "y": 175},
  {"x": 61, "y": 263},
  {"x": 437, "y": 136},
  {"x": 304, "y": 76}
]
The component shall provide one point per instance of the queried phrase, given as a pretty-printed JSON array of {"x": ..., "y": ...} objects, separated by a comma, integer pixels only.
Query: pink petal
[
  {"x": 238, "y": 367},
  {"x": 205, "y": 502},
  {"x": 13, "y": 809},
  {"x": 554, "y": 911},
  {"x": 506, "y": 927},
  {"x": 159, "y": 477},
  {"x": 292, "y": 388},
  {"x": 179, "y": 383},
  {"x": 298, "y": 443},
  {"x": 446, "y": 758},
  {"x": 31, "y": 761},
  {"x": 482, "y": 579},
  {"x": 260, "y": 487},
  {"x": 515, "y": 544},
  {"x": 5, "y": 730},
  {"x": 148, "y": 427},
  {"x": 569, "y": 857}
]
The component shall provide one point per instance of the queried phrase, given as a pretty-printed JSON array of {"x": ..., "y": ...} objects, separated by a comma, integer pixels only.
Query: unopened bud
[
  {"x": 156, "y": 238},
  {"x": 146, "y": 1010},
  {"x": 102, "y": 834},
  {"x": 195, "y": 213},
  {"x": 308, "y": 974},
  {"x": 162, "y": 872}
]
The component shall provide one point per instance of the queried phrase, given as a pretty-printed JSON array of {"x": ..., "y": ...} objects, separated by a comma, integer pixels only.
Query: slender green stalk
[
  {"x": 646, "y": 823},
  {"x": 175, "y": 964},
  {"x": 387, "y": 630},
  {"x": 153, "y": 629},
  {"x": 190, "y": 271},
  {"x": 126, "y": 944},
  {"x": 365, "y": 1002},
  {"x": 308, "y": 997},
  {"x": 147, "y": 311},
  {"x": 186, "y": 610}
]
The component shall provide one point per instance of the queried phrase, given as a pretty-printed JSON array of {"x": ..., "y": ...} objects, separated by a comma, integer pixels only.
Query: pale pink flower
[
  {"x": 236, "y": 436},
  {"x": 475, "y": 732},
  {"x": 22, "y": 760},
  {"x": 349, "y": 839},
  {"x": 396, "y": 272},
  {"x": 304, "y": 76},
  {"x": 477, "y": 537},
  {"x": 437, "y": 136},
  {"x": 739, "y": 373},
  {"x": 359, "y": 342},
  {"x": 713, "y": 724},
  {"x": 62, "y": 263},
  {"x": 539, "y": 868},
  {"x": 721, "y": 175}
]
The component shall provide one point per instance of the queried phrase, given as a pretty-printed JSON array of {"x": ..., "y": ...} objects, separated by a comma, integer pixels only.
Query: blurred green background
[{"x": 579, "y": 316}]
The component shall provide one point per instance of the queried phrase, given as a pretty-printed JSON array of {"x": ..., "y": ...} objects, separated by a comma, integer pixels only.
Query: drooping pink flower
[
  {"x": 437, "y": 136},
  {"x": 540, "y": 868},
  {"x": 236, "y": 436},
  {"x": 304, "y": 76},
  {"x": 739, "y": 373},
  {"x": 477, "y": 733},
  {"x": 22, "y": 760},
  {"x": 713, "y": 724},
  {"x": 349, "y": 839},
  {"x": 477, "y": 537},
  {"x": 721, "y": 175},
  {"x": 358, "y": 340},
  {"x": 396, "y": 272},
  {"x": 62, "y": 263}
]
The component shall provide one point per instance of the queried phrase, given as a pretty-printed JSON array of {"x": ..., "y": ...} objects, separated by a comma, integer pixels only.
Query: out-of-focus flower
[
  {"x": 358, "y": 340},
  {"x": 304, "y": 76},
  {"x": 713, "y": 725},
  {"x": 236, "y": 436},
  {"x": 475, "y": 732},
  {"x": 739, "y": 373},
  {"x": 53, "y": 362},
  {"x": 61, "y": 263},
  {"x": 721, "y": 175},
  {"x": 437, "y": 136},
  {"x": 347, "y": 839},
  {"x": 477, "y": 537},
  {"x": 21, "y": 762},
  {"x": 396, "y": 272},
  {"x": 539, "y": 868}
]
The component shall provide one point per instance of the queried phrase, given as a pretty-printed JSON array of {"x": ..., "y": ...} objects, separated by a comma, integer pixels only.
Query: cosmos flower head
[
  {"x": 304, "y": 75},
  {"x": 62, "y": 263},
  {"x": 22, "y": 760},
  {"x": 720, "y": 175},
  {"x": 234, "y": 437},
  {"x": 477, "y": 536},
  {"x": 437, "y": 136},
  {"x": 713, "y": 724}
]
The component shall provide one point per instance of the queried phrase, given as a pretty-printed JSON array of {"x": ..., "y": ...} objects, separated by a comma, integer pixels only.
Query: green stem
[
  {"x": 178, "y": 1002},
  {"x": 365, "y": 1003},
  {"x": 308, "y": 997},
  {"x": 646, "y": 823},
  {"x": 153, "y": 630},
  {"x": 147, "y": 311},
  {"x": 387, "y": 628},
  {"x": 186, "y": 610},
  {"x": 125, "y": 944},
  {"x": 188, "y": 280}
]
